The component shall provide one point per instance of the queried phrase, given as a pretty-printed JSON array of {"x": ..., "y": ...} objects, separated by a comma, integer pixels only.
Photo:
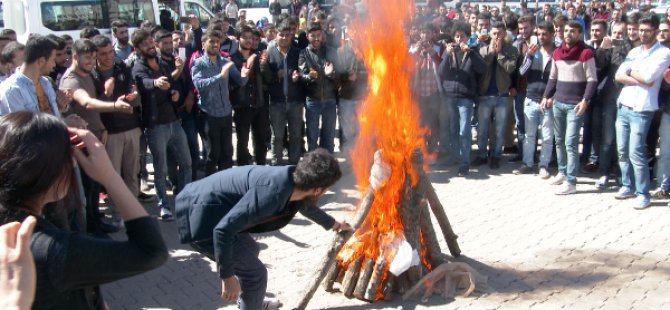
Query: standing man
[
  {"x": 287, "y": 97},
  {"x": 525, "y": 39},
  {"x": 212, "y": 74},
  {"x": 426, "y": 85},
  {"x": 317, "y": 71},
  {"x": 536, "y": 68},
  {"x": 275, "y": 10},
  {"x": 494, "y": 85},
  {"x": 572, "y": 84},
  {"x": 458, "y": 74},
  {"x": 641, "y": 73},
  {"x": 218, "y": 214},
  {"x": 231, "y": 11},
  {"x": 159, "y": 117},
  {"x": 122, "y": 48},
  {"x": 609, "y": 57}
]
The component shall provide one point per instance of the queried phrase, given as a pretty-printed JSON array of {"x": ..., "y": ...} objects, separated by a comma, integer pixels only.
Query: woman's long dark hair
[{"x": 35, "y": 155}]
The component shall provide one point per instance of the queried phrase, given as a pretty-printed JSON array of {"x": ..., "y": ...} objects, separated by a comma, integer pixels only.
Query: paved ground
[{"x": 538, "y": 250}]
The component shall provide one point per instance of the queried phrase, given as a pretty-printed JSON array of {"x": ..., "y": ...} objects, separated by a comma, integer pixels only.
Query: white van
[{"x": 70, "y": 16}]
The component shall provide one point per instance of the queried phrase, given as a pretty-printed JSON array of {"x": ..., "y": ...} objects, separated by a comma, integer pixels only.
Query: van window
[
  {"x": 198, "y": 11},
  {"x": 60, "y": 16},
  {"x": 250, "y": 4},
  {"x": 2, "y": 19},
  {"x": 134, "y": 12}
]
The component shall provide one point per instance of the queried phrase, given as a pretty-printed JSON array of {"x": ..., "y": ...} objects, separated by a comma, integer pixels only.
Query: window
[
  {"x": 60, "y": 16},
  {"x": 134, "y": 12},
  {"x": 250, "y": 4},
  {"x": 198, "y": 11},
  {"x": 2, "y": 13}
]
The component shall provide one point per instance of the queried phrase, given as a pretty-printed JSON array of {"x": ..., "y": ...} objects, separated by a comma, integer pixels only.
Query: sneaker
[
  {"x": 601, "y": 184},
  {"x": 624, "y": 193},
  {"x": 166, "y": 214},
  {"x": 523, "y": 170},
  {"x": 567, "y": 189},
  {"x": 495, "y": 163},
  {"x": 642, "y": 202},
  {"x": 271, "y": 304},
  {"x": 558, "y": 179},
  {"x": 463, "y": 171},
  {"x": 478, "y": 161},
  {"x": 144, "y": 185},
  {"x": 544, "y": 173},
  {"x": 142, "y": 197},
  {"x": 660, "y": 194}
]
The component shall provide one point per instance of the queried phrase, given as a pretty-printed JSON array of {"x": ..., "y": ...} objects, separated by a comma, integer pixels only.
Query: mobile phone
[
  {"x": 618, "y": 42},
  {"x": 533, "y": 40},
  {"x": 185, "y": 19},
  {"x": 182, "y": 53},
  {"x": 484, "y": 32}
]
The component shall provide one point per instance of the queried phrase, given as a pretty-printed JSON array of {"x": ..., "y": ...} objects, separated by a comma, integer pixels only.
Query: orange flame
[{"x": 389, "y": 121}]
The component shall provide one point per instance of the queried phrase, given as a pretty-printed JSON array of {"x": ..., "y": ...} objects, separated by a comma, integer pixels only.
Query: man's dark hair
[
  {"x": 83, "y": 46},
  {"x": 59, "y": 41},
  {"x": 7, "y": 32},
  {"x": 575, "y": 24},
  {"x": 427, "y": 27},
  {"x": 664, "y": 21},
  {"x": 66, "y": 37},
  {"x": 511, "y": 21},
  {"x": 650, "y": 20},
  {"x": 561, "y": 18},
  {"x": 546, "y": 26},
  {"x": 101, "y": 41},
  {"x": 10, "y": 51},
  {"x": 600, "y": 22},
  {"x": 484, "y": 15},
  {"x": 139, "y": 35},
  {"x": 242, "y": 29},
  {"x": 162, "y": 34},
  {"x": 526, "y": 19},
  {"x": 212, "y": 33},
  {"x": 284, "y": 26},
  {"x": 5, "y": 38},
  {"x": 178, "y": 32},
  {"x": 147, "y": 25},
  {"x": 39, "y": 46},
  {"x": 317, "y": 169},
  {"x": 461, "y": 26},
  {"x": 314, "y": 27},
  {"x": 88, "y": 32},
  {"x": 634, "y": 19},
  {"x": 118, "y": 24},
  {"x": 498, "y": 25}
]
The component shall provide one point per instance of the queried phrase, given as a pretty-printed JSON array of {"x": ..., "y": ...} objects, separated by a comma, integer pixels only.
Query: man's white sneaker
[
  {"x": 624, "y": 193},
  {"x": 567, "y": 189},
  {"x": 544, "y": 174},
  {"x": 166, "y": 214},
  {"x": 558, "y": 179}
]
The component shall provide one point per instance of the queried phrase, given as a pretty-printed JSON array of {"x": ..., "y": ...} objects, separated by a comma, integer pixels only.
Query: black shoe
[
  {"x": 106, "y": 228},
  {"x": 478, "y": 161},
  {"x": 590, "y": 168},
  {"x": 463, "y": 171},
  {"x": 516, "y": 159},
  {"x": 495, "y": 163},
  {"x": 511, "y": 150},
  {"x": 145, "y": 198}
]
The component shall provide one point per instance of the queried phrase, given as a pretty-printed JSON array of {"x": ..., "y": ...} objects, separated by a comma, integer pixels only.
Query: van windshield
[
  {"x": 73, "y": 15},
  {"x": 134, "y": 12},
  {"x": 249, "y": 4}
]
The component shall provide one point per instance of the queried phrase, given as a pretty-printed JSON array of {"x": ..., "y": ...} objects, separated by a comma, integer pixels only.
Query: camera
[{"x": 456, "y": 47}]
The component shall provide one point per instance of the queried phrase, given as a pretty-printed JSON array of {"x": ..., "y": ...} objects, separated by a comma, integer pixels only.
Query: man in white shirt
[{"x": 637, "y": 102}]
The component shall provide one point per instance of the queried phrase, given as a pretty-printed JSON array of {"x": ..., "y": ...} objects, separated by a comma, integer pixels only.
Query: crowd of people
[{"x": 561, "y": 75}]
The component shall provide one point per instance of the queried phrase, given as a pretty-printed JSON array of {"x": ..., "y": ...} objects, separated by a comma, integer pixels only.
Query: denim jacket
[
  {"x": 213, "y": 89},
  {"x": 17, "y": 93}
]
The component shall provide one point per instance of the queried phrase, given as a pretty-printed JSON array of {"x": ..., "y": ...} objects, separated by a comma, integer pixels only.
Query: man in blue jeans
[
  {"x": 317, "y": 71},
  {"x": 159, "y": 117},
  {"x": 218, "y": 213},
  {"x": 572, "y": 84},
  {"x": 500, "y": 58},
  {"x": 641, "y": 73}
]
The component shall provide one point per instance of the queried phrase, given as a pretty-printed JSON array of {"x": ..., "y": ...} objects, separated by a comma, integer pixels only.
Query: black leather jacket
[{"x": 323, "y": 87}]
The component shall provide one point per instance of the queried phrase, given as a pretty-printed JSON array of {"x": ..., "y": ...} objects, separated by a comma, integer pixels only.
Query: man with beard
[
  {"x": 122, "y": 48},
  {"x": 211, "y": 74},
  {"x": 86, "y": 104},
  {"x": 251, "y": 113},
  {"x": 572, "y": 84},
  {"x": 218, "y": 214},
  {"x": 632, "y": 28},
  {"x": 637, "y": 102},
  {"x": 60, "y": 60},
  {"x": 163, "y": 131}
]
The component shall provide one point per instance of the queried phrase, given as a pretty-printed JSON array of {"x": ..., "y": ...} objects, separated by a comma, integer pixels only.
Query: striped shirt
[{"x": 573, "y": 76}]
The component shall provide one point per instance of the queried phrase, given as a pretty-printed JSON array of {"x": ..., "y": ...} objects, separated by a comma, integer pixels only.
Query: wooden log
[
  {"x": 351, "y": 277},
  {"x": 336, "y": 245},
  {"x": 435, "y": 205},
  {"x": 409, "y": 214},
  {"x": 376, "y": 279},
  {"x": 434, "y": 252},
  {"x": 331, "y": 277},
  {"x": 388, "y": 286},
  {"x": 364, "y": 278}
]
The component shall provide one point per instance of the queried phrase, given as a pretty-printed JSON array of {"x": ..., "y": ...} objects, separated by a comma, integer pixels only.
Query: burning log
[
  {"x": 334, "y": 273},
  {"x": 335, "y": 247},
  {"x": 364, "y": 278},
  {"x": 438, "y": 210},
  {"x": 351, "y": 277},
  {"x": 375, "y": 280}
]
